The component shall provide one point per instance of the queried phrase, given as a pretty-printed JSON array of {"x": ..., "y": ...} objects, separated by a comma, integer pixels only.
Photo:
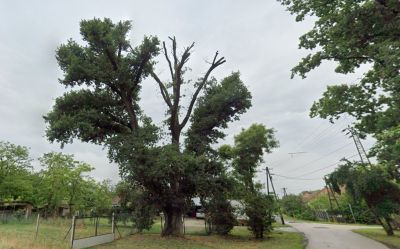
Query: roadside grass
[
  {"x": 51, "y": 236},
  {"x": 392, "y": 242},
  {"x": 291, "y": 219},
  {"x": 240, "y": 238}
]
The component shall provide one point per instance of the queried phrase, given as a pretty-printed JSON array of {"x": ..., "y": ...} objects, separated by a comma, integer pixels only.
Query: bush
[
  {"x": 294, "y": 206},
  {"x": 259, "y": 208},
  {"x": 220, "y": 213}
]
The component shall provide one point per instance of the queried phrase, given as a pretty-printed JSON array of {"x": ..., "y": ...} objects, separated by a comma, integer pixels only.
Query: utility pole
[
  {"x": 284, "y": 192},
  {"x": 360, "y": 148},
  {"x": 276, "y": 196},
  {"x": 331, "y": 194}
]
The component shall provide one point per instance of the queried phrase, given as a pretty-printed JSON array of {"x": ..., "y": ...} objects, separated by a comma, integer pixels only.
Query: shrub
[{"x": 259, "y": 208}]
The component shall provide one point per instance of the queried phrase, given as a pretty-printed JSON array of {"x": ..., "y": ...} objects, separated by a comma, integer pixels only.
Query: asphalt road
[{"x": 321, "y": 236}]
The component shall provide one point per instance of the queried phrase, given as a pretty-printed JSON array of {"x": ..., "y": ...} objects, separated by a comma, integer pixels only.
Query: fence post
[
  {"x": 96, "y": 224},
  {"x": 73, "y": 231},
  {"x": 113, "y": 223},
  {"x": 37, "y": 225}
]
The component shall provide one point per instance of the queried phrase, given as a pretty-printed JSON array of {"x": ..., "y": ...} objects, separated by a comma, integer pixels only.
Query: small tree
[
  {"x": 221, "y": 215},
  {"x": 259, "y": 208},
  {"x": 245, "y": 156}
]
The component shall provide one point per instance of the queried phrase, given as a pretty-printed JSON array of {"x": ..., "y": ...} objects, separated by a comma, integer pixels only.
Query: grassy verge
[
  {"x": 240, "y": 238},
  {"x": 392, "y": 242},
  {"x": 51, "y": 236}
]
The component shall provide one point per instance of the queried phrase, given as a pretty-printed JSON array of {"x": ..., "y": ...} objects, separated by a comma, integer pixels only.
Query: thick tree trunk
[{"x": 173, "y": 224}]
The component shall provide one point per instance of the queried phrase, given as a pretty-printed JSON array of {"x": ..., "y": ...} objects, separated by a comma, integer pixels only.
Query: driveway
[{"x": 321, "y": 236}]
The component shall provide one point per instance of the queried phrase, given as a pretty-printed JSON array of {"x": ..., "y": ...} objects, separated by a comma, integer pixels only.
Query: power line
[
  {"x": 323, "y": 133},
  {"x": 333, "y": 164},
  {"x": 308, "y": 136},
  {"x": 322, "y": 157},
  {"x": 297, "y": 178}
]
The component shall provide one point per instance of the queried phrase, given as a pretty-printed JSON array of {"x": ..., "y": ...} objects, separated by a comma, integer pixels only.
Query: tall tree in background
[
  {"x": 354, "y": 34},
  {"x": 15, "y": 169},
  {"x": 107, "y": 111},
  {"x": 63, "y": 182}
]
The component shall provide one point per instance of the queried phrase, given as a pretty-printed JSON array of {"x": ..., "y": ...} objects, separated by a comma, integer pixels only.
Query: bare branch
[
  {"x": 174, "y": 50},
  {"x": 169, "y": 61},
  {"x": 215, "y": 63},
  {"x": 185, "y": 57},
  {"x": 163, "y": 89}
]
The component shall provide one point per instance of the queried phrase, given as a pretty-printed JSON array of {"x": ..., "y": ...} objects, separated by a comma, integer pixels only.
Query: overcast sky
[{"x": 258, "y": 38}]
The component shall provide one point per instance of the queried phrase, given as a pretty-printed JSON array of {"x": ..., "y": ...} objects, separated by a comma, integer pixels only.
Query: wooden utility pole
[
  {"x": 284, "y": 192},
  {"x": 276, "y": 196}
]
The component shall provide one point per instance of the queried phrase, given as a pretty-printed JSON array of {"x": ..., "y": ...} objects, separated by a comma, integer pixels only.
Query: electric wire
[
  {"x": 322, "y": 157},
  {"x": 296, "y": 178},
  {"x": 333, "y": 164}
]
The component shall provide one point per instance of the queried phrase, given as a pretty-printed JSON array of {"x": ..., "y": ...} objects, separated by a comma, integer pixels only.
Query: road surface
[{"x": 321, "y": 236}]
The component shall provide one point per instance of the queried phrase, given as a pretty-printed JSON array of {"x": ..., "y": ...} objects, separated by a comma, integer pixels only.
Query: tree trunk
[
  {"x": 388, "y": 228},
  {"x": 173, "y": 224}
]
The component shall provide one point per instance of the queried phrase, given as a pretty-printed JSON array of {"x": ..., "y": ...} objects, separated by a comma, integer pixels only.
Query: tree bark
[
  {"x": 388, "y": 228},
  {"x": 173, "y": 224}
]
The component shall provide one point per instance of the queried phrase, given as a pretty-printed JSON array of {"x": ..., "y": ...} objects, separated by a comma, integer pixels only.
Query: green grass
[
  {"x": 240, "y": 238},
  {"x": 380, "y": 235},
  {"x": 15, "y": 235}
]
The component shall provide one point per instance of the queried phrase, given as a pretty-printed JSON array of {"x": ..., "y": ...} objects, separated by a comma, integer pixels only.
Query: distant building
[{"x": 9, "y": 207}]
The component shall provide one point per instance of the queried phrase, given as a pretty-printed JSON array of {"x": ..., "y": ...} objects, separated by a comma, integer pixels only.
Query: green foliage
[
  {"x": 244, "y": 157},
  {"x": 355, "y": 34},
  {"x": 374, "y": 185},
  {"x": 62, "y": 181},
  {"x": 259, "y": 207},
  {"x": 105, "y": 109},
  {"x": 222, "y": 103},
  {"x": 15, "y": 169},
  {"x": 295, "y": 206},
  {"x": 221, "y": 214},
  {"x": 250, "y": 145},
  {"x": 136, "y": 206}
]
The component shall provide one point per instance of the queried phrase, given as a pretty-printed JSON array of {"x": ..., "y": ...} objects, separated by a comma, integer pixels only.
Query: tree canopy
[
  {"x": 357, "y": 34},
  {"x": 108, "y": 72}
]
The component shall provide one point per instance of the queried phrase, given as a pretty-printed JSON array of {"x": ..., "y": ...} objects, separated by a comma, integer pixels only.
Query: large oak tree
[{"x": 107, "y": 74}]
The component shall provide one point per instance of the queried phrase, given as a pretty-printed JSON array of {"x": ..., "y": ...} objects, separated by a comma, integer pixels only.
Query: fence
[
  {"x": 48, "y": 232},
  {"x": 56, "y": 232},
  {"x": 102, "y": 233}
]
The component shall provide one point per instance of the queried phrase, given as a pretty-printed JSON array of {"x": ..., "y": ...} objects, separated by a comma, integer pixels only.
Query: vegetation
[
  {"x": 61, "y": 181},
  {"x": 107, "y": 74},
  {"x": 51, "y": 237},
  {"x": 245, "y": 156},
  {"x": 355, "y": 34},
  {"x": 392, "y": 242},
  {"x": 373, "y": 185},
  {"x": 296, "y": 207}
]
